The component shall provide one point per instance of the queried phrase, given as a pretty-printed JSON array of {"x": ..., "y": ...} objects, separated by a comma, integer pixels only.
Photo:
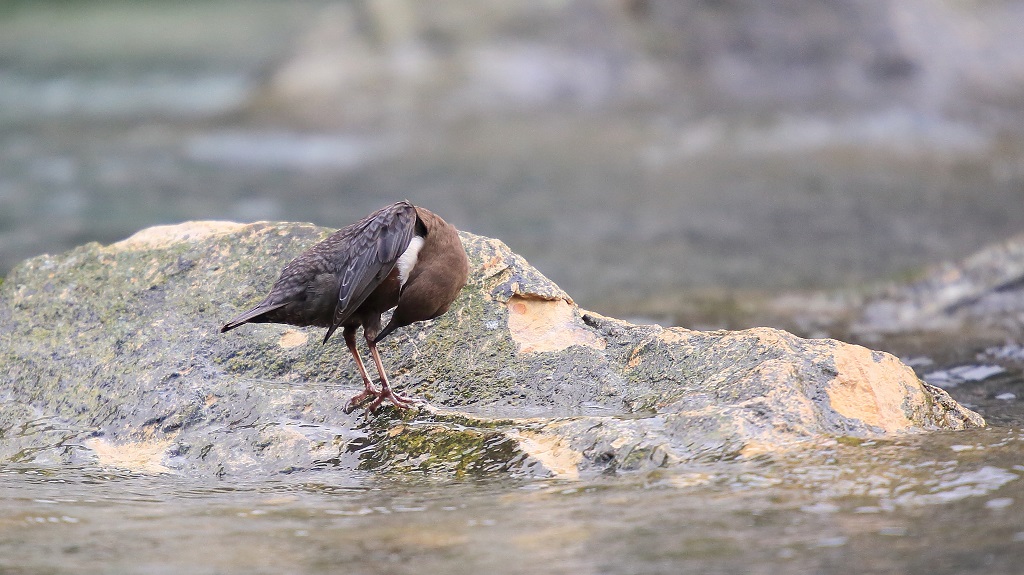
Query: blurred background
[{"x": 644, "y": 154}]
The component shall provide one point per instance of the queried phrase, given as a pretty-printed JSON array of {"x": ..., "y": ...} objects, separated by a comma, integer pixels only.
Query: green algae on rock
[{"x": 114, "y": 357}]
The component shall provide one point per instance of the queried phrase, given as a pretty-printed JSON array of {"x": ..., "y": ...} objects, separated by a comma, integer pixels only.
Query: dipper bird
[{"x": 401, "y": 255}]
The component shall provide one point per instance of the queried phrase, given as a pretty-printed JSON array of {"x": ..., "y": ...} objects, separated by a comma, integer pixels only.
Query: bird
[{"x": 400, "y": 257}]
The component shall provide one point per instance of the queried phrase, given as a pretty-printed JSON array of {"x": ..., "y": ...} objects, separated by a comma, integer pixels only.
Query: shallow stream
[{"x": 937, "y": 503}]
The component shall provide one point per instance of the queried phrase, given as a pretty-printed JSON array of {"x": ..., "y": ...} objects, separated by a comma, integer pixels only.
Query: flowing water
[{"x": 936, "y": 503}]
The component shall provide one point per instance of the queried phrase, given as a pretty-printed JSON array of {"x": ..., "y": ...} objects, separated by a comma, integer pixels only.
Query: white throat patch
[{"x": 408, "y": 259}]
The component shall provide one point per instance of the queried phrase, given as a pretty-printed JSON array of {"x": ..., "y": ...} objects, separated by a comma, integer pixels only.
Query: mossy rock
[{"x": 114, "y": 356}]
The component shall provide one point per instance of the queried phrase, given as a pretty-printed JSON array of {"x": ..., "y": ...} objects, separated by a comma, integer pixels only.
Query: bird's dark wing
[{"x": 367, "y": 254}]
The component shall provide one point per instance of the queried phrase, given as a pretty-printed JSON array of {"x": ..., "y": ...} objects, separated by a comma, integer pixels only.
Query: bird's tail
[{"x": 250, "y": 315}]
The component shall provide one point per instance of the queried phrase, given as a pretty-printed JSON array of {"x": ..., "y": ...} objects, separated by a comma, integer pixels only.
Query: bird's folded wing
[{"x": 372, "y": 253}]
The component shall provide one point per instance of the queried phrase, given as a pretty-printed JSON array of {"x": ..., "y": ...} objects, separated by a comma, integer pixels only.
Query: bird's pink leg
[
  {"x": 370, "y": 390},
  {"x": 400, "y": 401}
]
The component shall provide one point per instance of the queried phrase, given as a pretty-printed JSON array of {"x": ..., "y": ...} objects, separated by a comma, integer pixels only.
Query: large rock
[{"x": 113, "y": 356}]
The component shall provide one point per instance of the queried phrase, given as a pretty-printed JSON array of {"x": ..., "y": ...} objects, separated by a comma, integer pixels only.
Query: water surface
[{"x": 939, "y": 503}]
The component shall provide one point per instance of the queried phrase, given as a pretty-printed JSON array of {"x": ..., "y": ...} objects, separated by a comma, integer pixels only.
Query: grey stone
[{"x": 981, "y": 295}]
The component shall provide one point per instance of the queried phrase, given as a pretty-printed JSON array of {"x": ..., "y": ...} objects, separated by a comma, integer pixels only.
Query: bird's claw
[
  {"x": 360, "y": 399},
  {"x": 399, "y": 401},
  {"x": 378, "y": 397}
]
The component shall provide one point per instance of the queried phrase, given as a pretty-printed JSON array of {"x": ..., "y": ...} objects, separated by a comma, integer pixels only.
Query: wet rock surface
[
  {"x": 982, "y": 294},
  {"x": 113, "y": 356}
]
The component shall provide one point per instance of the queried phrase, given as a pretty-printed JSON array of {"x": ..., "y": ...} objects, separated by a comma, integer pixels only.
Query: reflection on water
[
  {"x": 885, "y": 506},
  {"x": 265, "y": 150},
  {"x": 112, "y": 97}
]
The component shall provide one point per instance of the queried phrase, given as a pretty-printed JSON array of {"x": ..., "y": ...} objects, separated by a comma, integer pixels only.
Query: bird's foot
[
  {"x": 398, "y": 400},
  {"x": 360, "y": 399}
]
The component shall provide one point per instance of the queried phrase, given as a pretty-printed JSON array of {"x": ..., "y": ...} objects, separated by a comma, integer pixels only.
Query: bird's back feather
[{"x": 351, "y": 263}]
